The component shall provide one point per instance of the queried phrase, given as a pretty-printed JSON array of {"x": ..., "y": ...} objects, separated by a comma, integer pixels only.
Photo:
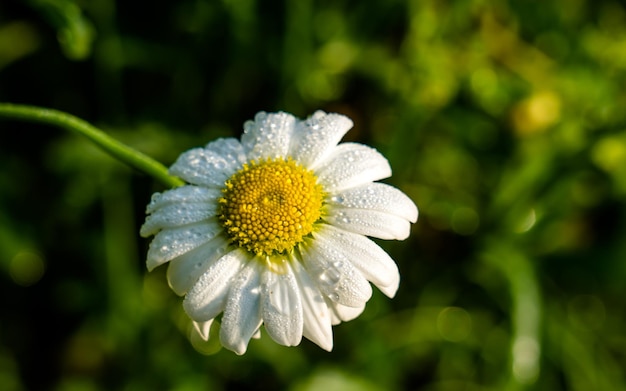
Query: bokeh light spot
[
  {"x": 527, "y": 222},
  {"x": 484, "y": 82},
  {"x": 537, "y": 113},
  {"x": 454, "y": 324},
  {"x": 26, "y": 268},
  {"x": 337, "y": 56},
  {"x": 465, "y": 221},
  {"x": 609, "y": 153}
]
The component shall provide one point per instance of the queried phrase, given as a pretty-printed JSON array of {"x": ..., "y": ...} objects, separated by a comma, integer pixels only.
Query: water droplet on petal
[
  {"x": 338, "y": 199},
  {"x": 330, "y": 277}
]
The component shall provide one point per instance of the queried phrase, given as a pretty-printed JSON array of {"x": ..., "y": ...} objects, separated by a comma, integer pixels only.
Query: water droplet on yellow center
[{"x": 270, "y": 206}]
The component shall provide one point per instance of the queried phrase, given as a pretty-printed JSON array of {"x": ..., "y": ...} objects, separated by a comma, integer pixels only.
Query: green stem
[
  {"x": 74, "y": 124},
  {"x": 526, "y": 311}
]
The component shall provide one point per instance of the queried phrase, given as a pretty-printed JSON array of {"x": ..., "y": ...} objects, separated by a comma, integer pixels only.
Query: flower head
[{"x": 273, "y": 230}]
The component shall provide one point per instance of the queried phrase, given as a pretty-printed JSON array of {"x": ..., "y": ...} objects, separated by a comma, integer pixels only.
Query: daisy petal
[
  {"x": 175, "y": 215},
  {"x": 316, "y": 136},
  {"x": 186, "y": 269},
  {"x": 207, "y": 166},
  {"x": 203, "y": 328},
  {"x": 172, "y": 242},
  {"x": 377, "y": 196},
  {"x": 351, "y": 165},
  {"x": 370, "y": 223},
  {"x": 281, "y": 307},
  {"x": 242, "y": 315},
  {"x": 228, "y": 148},
  {"x": 207, "y": 297},
  {"x": 341, "y": 313},
  {"x": 317, "y": 317},
  {"x": 371, "y": 260},
  {"x": 183, "y": 194},
  {"x": 334, "y": 274},
  {"x": 268, "y": 136}
]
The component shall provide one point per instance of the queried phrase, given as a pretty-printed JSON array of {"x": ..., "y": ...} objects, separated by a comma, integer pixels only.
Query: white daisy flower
[{"x": 273, "y": 230}]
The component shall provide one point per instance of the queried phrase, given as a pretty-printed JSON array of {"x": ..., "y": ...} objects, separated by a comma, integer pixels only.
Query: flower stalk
[{"x": 74, "y": 124}]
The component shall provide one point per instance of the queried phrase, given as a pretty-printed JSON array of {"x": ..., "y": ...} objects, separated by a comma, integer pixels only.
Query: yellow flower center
[{"x": 270, "y": 206}]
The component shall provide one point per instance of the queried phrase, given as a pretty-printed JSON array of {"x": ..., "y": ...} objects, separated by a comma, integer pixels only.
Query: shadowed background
[{"x": 504, "y": 121}]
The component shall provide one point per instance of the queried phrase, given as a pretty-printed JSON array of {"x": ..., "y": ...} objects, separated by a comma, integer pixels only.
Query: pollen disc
[{"x": 270, "y": 206}]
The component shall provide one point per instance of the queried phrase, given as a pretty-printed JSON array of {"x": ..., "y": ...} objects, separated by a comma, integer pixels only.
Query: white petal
[
  {"x": 228, "y": 148},
  {"x": 175, "y": 215},
  {"x": 207, "y": 297},
  {"x": 268, "y": 136},
  {"x": 183, "y": 194},
  {"x": 242, "y": 315},
  {"x": 203, "y": 328},
  {"x": 210, "y": 166},
  {"x": 377, "y": 196},
  {"x": 317, "y": 318},
  {"x": 371, "y": 260},
  {"x": 350, "y": 165},
  {"x": 172, "y": 242},
  {"x": 334, "y": 274},
  {"x": 281, "y": 307},
  {"x": 315, "y": 137},
  {"x": 341, "y": 313},
  {"x": 370, "y": 223},
  {"x": 186, "y": 269}
]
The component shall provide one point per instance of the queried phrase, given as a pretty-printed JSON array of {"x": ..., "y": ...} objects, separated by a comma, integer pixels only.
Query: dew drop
[
  {"x": 330, "y": 277},
  {"x": 338, "y": 199}
]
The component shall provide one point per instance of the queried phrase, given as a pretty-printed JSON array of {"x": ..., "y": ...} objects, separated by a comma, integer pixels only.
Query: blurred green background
[{"x": 504, "y": 120}]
